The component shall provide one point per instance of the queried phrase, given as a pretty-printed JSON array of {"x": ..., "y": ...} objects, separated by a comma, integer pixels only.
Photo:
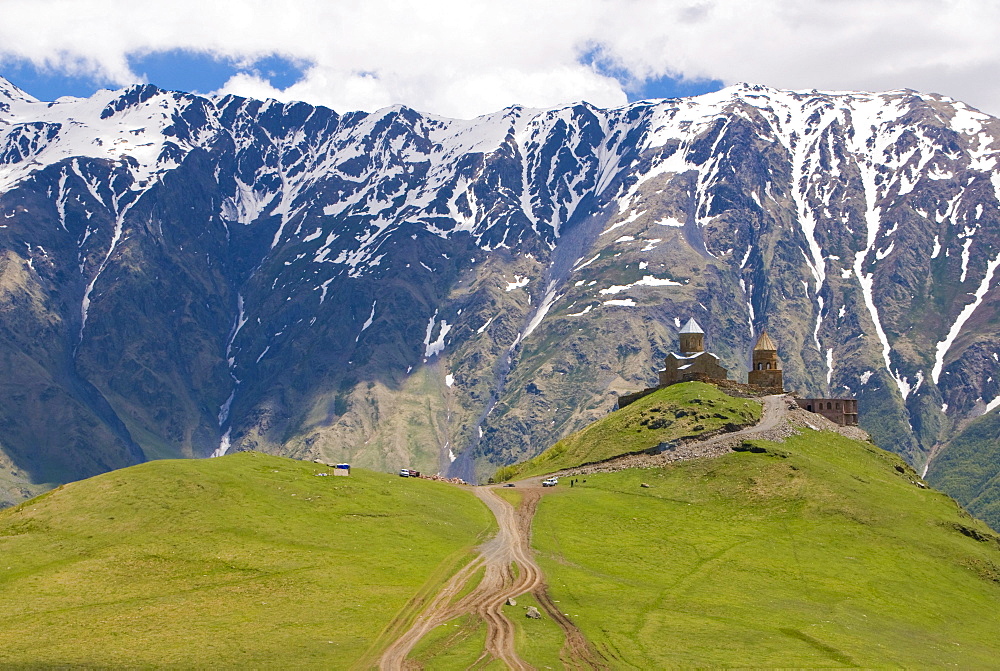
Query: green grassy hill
[
  {"x": 686, "y": 409},
  {"x": 821, "y": 551},
  {"x": 247, "y": 560}
]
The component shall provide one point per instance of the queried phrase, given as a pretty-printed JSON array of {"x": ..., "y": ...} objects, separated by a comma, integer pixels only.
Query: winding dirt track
[
  {"x": 512, "y": 547},
  {"x": 438, "y": 611},
  {"x": 509, "y": 548}
]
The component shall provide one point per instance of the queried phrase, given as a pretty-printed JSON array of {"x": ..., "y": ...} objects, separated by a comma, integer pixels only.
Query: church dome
[
  {"x": 764, "y": 343},
  {"x": 691, "y": 327}
]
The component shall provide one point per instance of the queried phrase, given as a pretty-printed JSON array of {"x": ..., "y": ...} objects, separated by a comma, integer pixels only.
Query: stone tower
[
  {"x": 765, "y": 370},
  {"x": 692, "y": 338}
]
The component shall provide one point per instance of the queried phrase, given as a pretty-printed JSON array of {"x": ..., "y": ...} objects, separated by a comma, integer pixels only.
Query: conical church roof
[
  {"x": 691, "y": 327},
  {"x": 764, "y": 342}
]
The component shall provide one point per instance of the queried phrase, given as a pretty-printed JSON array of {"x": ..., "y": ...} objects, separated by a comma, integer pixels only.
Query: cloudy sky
[{"x": 468, "y": 57}]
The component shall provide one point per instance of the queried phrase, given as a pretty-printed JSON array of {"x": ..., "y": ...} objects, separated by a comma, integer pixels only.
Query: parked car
[
  {"x": 404, "y": 472},
  {"x": 509, "y": 484},
  {"x": 551, "y": 482}
]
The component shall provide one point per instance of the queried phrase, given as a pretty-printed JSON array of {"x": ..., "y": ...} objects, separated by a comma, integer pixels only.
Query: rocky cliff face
[{"x": 184, "y": 275}]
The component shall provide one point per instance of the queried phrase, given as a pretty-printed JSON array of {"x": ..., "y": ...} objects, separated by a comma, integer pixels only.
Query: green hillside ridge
[
  {"x": 248, "y": 560},
  {"x": 818, "y": 551},
  {"x": 680, "y": 410}
]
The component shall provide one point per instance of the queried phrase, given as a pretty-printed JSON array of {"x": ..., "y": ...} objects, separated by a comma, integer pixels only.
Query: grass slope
[
  {"x": 458, "y": 644},
  {"x": 969, "y": 468},
  {"x": 822, "y": 552},
  {"x": 686, "y": 409},
  {"x": 244, "y": 560}
]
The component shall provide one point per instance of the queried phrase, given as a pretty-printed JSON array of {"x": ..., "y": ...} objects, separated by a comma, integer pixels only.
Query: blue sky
[
  {"x": 672, "y": 87},
  {"x": 644, "y": 88},
  {"x": 176, "y": 70}
]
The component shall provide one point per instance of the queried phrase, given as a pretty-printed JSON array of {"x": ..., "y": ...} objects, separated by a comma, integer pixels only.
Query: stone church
[{"x": 693, "y": 362}]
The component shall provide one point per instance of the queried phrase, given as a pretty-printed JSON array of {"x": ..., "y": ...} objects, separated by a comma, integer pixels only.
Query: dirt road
[
  {"x": 509, "y": 548},
  {"x": 438, "y": 611}
]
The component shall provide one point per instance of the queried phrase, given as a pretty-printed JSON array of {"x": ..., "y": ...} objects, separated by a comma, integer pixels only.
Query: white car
[{"x": 551, "y": 482}]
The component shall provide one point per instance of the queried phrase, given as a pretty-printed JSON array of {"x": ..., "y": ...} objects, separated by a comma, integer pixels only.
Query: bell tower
[
  {"x": 692, "y": 338},
  {"x": 765, "y": 369}
]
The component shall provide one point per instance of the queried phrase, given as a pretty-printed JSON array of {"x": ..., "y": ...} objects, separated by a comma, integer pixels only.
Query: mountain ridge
[{"x": 397, "y": 287}]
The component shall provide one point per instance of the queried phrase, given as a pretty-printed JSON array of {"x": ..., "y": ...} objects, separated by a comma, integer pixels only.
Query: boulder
[{"x": 533, "y": 613}]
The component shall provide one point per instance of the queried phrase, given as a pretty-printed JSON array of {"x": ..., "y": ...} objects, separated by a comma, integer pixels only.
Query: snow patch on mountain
[
  {"x": 548, "y": 299},
  {"x": 646, "y": 281},
  {"x": 435, "y": 347},
  {"x": 518, "y": 283},
  {"x": 941, "y": 349},
  {"x": 368, "y": 322}
]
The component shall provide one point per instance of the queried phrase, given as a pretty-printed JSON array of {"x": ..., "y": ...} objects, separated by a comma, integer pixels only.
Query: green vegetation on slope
[
  {"x": 969, "y": 468},
  {"x": 247, "y": 560},
  {"x": 686, "y": 409},
  {"x": 820, "y": 552},
  {"x": 538, "y": 642},
  {"x": 457, "y": 644}
]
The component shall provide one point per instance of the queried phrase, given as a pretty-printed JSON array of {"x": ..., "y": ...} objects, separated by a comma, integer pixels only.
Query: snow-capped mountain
[{"x": 187, "y": 275}]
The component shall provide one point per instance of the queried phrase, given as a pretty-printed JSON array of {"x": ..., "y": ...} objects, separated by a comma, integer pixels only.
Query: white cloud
[{"x": 466, "y": 57}]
